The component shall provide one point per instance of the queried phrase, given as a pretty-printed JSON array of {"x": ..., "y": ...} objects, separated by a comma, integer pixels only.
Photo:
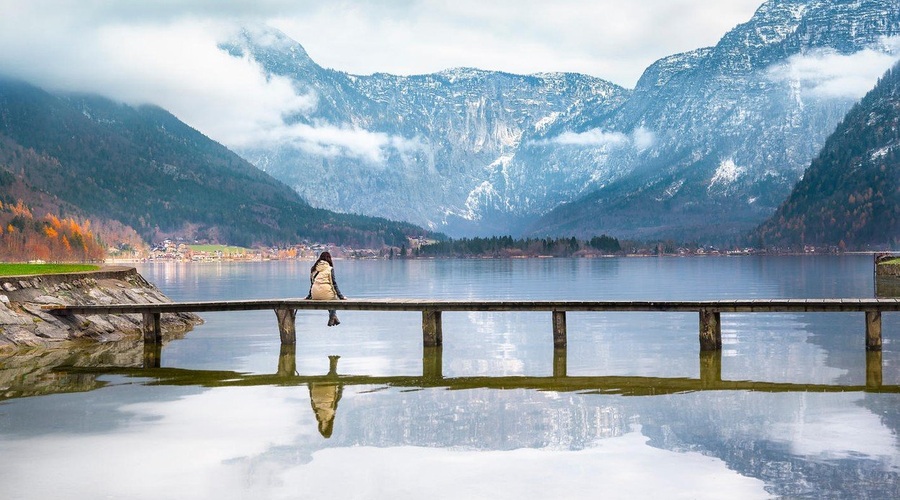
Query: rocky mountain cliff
[
  {"x": 734, "y": 125},
  {"x": 707, "y": 144},
  {"x": 849, "y": 196},
  {"x": 424, "y": 148}
]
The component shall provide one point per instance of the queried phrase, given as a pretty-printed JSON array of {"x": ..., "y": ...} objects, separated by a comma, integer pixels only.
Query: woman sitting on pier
[{"x": 323, "y": 286}]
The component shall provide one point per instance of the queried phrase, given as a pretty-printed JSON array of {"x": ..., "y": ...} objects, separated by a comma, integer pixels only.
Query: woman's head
[{"x": 326, "y": 256}]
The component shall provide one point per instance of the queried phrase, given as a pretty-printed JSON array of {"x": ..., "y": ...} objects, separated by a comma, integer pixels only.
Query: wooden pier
[{"x": 709, "y": 312}]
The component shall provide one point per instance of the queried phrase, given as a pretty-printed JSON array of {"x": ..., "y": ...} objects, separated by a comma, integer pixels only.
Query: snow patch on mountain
[
  {"x": 486, "y": 194},
  {"x": 671, "y": 190},
  {"x": 545, "y": 122},
  {"x": 882, "y": 152},
  {"x": 727, "y": 173}
]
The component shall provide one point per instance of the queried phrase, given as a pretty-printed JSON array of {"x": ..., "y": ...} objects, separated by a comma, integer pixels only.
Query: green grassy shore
[{"x": 18, "y": 269}]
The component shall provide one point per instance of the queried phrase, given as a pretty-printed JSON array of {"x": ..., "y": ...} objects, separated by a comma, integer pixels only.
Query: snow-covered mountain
[
  {"x": 708, "y": 143},
  {"x": 736, "y": 124},
  {"x": 416, "y": 148}
]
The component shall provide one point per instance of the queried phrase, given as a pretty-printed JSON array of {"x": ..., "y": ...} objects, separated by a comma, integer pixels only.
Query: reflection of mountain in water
[
  {"x": 811, "y": 453},
  {"x": 480, "y": 419}
]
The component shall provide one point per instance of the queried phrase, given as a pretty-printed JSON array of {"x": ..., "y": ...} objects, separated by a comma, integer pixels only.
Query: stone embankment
[
  {"x": 887, "y": 275},
  {"x": 24, "y": 323},
  {"x": 887, "y": 265}
]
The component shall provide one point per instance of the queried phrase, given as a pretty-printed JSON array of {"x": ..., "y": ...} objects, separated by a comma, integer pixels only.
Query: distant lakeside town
[{"x": 420, "y": 248}]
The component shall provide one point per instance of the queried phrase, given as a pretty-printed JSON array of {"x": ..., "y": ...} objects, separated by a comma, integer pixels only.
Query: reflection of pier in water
[{"x": 432, "y": 377}]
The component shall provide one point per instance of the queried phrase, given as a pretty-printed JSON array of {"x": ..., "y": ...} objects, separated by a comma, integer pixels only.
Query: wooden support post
[
  {"x": 710, "y": 330},
  {"x": 432, "y": 336},
  {"x": 433, "y": 362},
  {"x": 560, "y": 357},
  {"x": 873, "y": 330},
  {"x": 710, "y": 368},
  {"x": 286, "y": 321},
  {"x": 287, "y": 360},
  {"x": 559, "y": 329},
  {"x": 873, "y": 369},
  {"x": 152, "y": 330}
]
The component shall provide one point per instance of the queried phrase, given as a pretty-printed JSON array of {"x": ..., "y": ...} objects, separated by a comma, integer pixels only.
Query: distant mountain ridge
[
  {"x": 87, "y": 155},
  {"x": 442, "y": 132},
  {"x": 849, "y": 196},
  {"x": 707, "y": 145}
]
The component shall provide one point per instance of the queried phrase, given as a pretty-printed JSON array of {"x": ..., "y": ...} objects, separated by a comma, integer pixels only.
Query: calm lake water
[{"x": 630, "y": 410}]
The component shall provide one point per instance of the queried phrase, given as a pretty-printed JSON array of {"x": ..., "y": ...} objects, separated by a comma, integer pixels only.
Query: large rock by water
[{"x": 23, "y": 322}]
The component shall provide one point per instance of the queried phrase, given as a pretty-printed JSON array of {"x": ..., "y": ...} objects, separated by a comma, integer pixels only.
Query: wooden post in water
[
  {"x": 710, "y": 330},
  {"x": 432, "y": 336},
  {"x": 560, "y": 358},
  {"x": 286, "y": 321},
  {"x": 152, "y": 330},
  {"x": 559, "y": 329},
  {"x": 873, "y": 369},
  {"x": 873, "y": 330},
  {"x": 433, "y": 363}
]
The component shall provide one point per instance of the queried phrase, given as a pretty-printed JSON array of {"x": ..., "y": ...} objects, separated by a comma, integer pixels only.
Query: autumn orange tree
[{"x": 25, "y": 238}]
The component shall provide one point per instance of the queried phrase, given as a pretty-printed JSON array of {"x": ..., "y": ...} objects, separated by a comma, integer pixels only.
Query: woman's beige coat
[{"x": 322, "y": 283}]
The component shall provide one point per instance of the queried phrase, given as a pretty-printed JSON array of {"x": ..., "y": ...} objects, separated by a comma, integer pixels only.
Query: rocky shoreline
[{"x": 23, "y": 322}]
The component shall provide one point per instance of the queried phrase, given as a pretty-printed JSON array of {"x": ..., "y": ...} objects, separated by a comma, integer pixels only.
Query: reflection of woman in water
[
  {"x": 323, "y": 286},
  {"x": 324, "y": 397}
]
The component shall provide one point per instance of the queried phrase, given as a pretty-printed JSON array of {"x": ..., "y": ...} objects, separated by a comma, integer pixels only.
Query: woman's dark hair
[{"x": 323, "y": 256}]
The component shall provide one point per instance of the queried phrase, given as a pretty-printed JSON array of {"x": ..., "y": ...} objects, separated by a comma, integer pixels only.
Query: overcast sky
[{"x": 164, "y": 51}]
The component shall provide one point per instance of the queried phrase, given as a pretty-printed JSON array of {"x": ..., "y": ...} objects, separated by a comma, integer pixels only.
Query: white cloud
[
  {"x": 643, "y": 138},
  {"x": 178, "y": 66},
  {"x": 640, "y": 139},
  {"x": 593, "y": 137},
  {"x": 606, "y": 38},
  {"x": 332, "y": 141},
  {"x": 827, "y": 73}
]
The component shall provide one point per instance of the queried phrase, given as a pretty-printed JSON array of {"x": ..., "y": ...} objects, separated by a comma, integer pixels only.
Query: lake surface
[{"x": 630, "y": 410}]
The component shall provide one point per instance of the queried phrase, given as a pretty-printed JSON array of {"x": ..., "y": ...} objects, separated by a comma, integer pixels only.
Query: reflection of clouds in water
[
  {"x": 173, "y": 449},
  {"x": 621, "y": 467},
  {"x": 238, "y": 443},
  {"x": 263, "y": 442},
  {"x": 830, "y": 431}
]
